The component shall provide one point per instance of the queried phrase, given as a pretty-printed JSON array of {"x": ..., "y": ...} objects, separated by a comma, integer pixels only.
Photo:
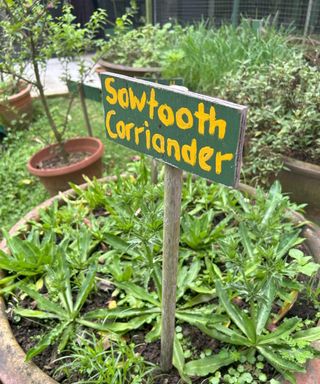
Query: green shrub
[
  {"x": 144, "y": 46},
  {"x": 283, "y": 117}
]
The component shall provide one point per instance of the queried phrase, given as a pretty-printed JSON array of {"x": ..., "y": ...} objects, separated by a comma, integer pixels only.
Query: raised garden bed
[{"x": 117, "y": 227}]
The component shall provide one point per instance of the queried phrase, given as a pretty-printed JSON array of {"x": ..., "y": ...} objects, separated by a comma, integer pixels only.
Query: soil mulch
[{"x": 59, "y": 161}]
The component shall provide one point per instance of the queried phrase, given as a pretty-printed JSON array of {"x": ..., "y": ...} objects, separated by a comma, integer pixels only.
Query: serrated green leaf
[
  {"x": 67, "y": 333},
  {"x": 178, "y": 359},
  {"x": 43, "y": 303},
  {"x": 311, "y": 334},
  {"x": 239, "y": 318},
  {"x": 278, "y": 362},
  {"x": 199, "y": 299},
  {"x": 155, "y": 332},
  {"x": 47, "y": 340},
  {"x": 246, "y": 241},
  {"x": 210, "y": 364},
  {"x": 264, "y": 309},
  {"x": 138, "y": 292},
  {"x": 117, "y": 327},
  {"x": 285, "y": 329},
  {"x": 24, "y": 312},
  {"x": 198, "y": 318},
  {"x": 118, "y": 313},
  {"x": 117, "y": 243},
  {"x": 85, "y": 289}
]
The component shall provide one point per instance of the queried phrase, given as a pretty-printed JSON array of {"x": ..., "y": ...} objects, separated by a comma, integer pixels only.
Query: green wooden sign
[{"x": 196, "y": 133}]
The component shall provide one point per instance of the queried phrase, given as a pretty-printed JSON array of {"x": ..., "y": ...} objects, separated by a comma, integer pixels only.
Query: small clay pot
[
  {"x": 15, "y": 106},
  {"x": 58, "y": 179}
]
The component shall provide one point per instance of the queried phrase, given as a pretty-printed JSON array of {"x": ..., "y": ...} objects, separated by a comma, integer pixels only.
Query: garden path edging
[{"x": 14, "y": 369}]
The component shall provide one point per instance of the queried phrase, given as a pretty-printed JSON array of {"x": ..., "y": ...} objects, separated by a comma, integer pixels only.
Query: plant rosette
[
  {"x": 57, "y": 179},
  {"x": 241, "y": 267},
  {"x": 17, "y": 106}
]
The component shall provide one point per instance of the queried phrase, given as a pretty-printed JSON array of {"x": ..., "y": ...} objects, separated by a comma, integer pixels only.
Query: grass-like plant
[
  {"x": 110, "y": 360},
  {"x": 205, "y": 56}
]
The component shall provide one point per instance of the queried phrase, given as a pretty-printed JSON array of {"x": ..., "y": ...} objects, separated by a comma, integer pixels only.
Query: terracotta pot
[
  {"x": 14, "y": 369},
  {"x": 57, "y": 179},
  {"x": 301, "y": 181},
  {"x": 127, "y": 70},
  {"x": 16, "y": 105}
]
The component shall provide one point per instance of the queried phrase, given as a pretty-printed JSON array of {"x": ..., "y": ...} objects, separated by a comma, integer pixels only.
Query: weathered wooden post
[
  {"x": 171, "y": 237},
  {"x": 187, "y": 131}
]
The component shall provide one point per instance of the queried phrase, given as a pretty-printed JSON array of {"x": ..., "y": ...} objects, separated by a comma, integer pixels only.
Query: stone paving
[{"x": 53, "y": 73}]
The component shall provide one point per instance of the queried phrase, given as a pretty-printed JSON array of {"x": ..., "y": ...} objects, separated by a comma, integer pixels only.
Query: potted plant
[
  {"x": 108, "y": 265},
  {"x": 15, "y": 101},
  {"x": 283, "y": 125},
  {"x": 30, "y": 31},
  {"x": 139, "y": 52}
]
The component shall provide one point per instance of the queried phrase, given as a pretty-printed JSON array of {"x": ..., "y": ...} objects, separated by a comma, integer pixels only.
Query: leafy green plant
[
  {"x": 206, "y": 56},
  {"x": 144, "y": 46},
  {"x": 29, "y": 258},
  {"x": 198, "y": 232},
  {"x": 65, "y": 311},
  {"x": 70, "y": 43},
  {"x": 109, "y": 360},
  {"x": 286, "y": 349},
  {"x": 114, "y": 245},
  {"x": 283, "y": 114}
]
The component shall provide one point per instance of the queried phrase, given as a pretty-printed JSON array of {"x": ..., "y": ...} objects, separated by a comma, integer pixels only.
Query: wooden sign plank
[{"x": 193, "y": 132}]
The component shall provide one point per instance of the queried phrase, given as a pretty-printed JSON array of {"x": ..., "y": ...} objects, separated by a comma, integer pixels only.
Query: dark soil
[
  {"x": 303, "y": 308},
  {"x": 59, "y": 161}
]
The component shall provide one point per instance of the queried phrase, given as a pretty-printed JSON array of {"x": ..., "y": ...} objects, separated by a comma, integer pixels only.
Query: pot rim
[
  {"x": 52, "y": 172},
  {"x": 302, "y": 167},
  {"x": 20, "y": 94},
  {"x": 121, "y": 67},
  {"x": 18, "y": 371}
]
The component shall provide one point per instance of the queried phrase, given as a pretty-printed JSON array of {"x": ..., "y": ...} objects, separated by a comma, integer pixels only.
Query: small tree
[
  {"x": 25, "y": 38},
  {"x": 71, "y": 43},
  {"x": 30, "y": 36}
]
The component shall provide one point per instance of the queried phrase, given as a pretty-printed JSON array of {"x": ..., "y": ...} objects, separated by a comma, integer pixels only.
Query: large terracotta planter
[
  {"x": 58, "y": 179},
  {"x": 127, "y": 70},
  {"x": 13, "y": 368},
  {"x": 15, "y": 106},
  {"x": 301, "y": 181}
]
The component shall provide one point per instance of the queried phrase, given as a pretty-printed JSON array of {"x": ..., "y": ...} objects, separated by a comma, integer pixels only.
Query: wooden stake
[{"x": 171, "y": 236}]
